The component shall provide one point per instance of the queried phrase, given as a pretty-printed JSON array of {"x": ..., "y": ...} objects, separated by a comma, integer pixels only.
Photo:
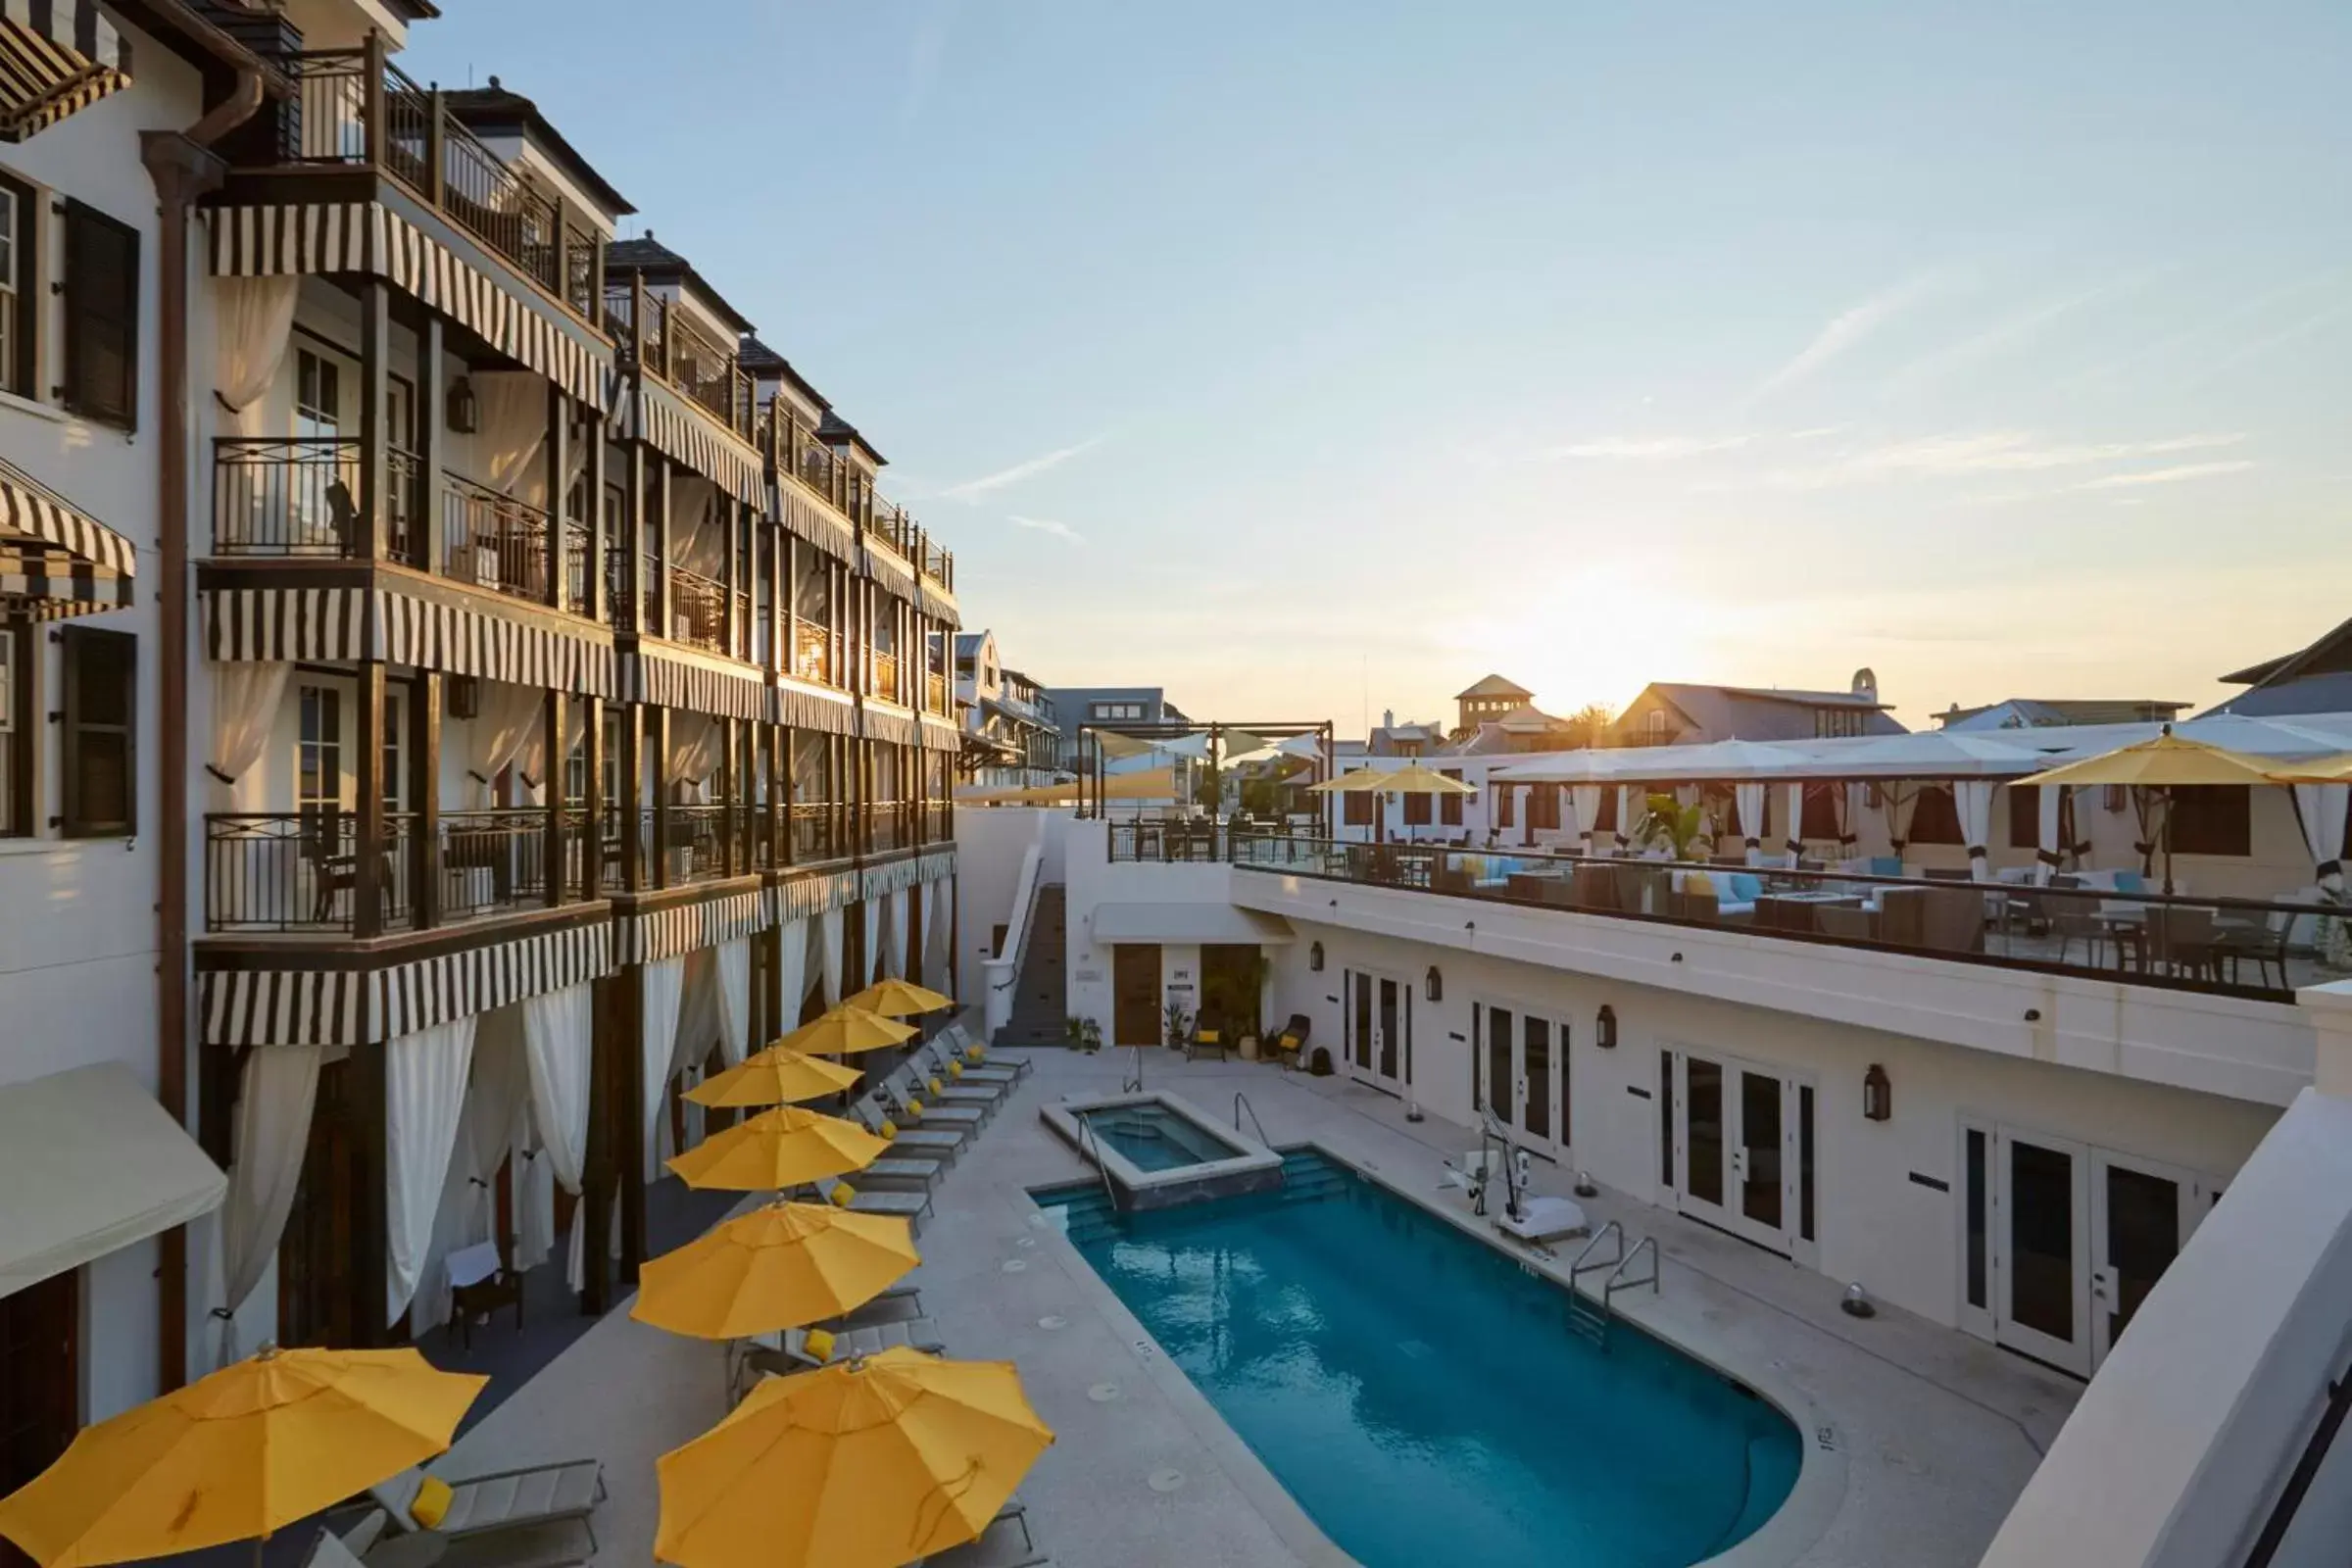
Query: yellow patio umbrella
[
  {"x": 2162, "y": 765},
  {"x": 248, "y": 1450},
  {"x": 899, "y": 998},
  {"x": 776, "y": 1076},
  {"x": 2319, "y": 770},
  {"x": 780, "y": 1267},
  {"x": 1413, "y": 780},
  {"x": 778, "y": 1149},
  {"x": 845, "y": 1031},
  {"x": 870, "y": 1464}
]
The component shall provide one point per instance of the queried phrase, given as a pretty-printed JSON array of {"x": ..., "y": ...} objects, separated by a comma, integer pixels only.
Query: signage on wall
[{"x": 1089, "y": 977}]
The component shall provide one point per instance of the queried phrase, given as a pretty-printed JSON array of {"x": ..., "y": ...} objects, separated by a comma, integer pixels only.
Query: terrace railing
[
  {"x": 884, "y": 666},
  {"x": 698, "y": 610},
  {"x": 492, "y": 861},
  {"x": 935, "y": 693},
  {"x": 274, "y": 496},
  {"x": 298, "y": 871},
  {"x": 666, "y": 342},
  {"x": 492, "y": 540},
  {"x": 812, "y": 653},
  {"x": 1173, "y": 841},
  {"x": 2239, "y": 946},
  {"x": 815, "y": 831}
]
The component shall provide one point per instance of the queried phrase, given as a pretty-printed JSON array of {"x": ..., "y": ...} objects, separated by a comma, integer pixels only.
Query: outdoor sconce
[
  {"x": 1314, "y": 957},
  {"x": 1877, "y": 1094},
  {"x": 464, "y": 409},
  {"x": 465, "y": 697},
  {"x": 1436, "y": 985},
  {"x": 1604, "y": 1030}
]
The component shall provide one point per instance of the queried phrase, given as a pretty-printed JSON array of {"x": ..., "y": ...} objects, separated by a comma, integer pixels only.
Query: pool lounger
[
  {"x": 953, "y": 1041},
  {"x": 896, "y": 1094},
  {"x": 939, "y": 1058},
  {"x": 909, "y": 1173},
  {"x": 941, "y": 1144},
  {"x": 954, "y": 1090},
  {"x": 914, "y": 1207}
]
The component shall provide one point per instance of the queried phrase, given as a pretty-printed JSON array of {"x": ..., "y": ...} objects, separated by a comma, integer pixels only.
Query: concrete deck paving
[{"x": 1930, "y": 1435}]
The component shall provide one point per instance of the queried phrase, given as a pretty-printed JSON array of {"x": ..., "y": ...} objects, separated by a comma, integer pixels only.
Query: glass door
[
  {"x": 2142, "y": 1215},
  {"x": 1380, "y": 1030},
  {"x": 1523, "y": 1064},
  {"x": 1360, "y": 1023},
  {"x": 1744, "y": 1135},
  {"x": 2041, "y": 1249}
]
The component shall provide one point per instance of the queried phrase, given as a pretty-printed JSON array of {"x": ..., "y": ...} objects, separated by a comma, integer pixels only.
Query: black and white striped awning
[
  {"x": 54, "y": 561},
  {"x": 885, "y": 565},
  {"x": 676, "y": 677},
  {"x": 805, "y": 706},
  {"x": 690, "y": 927},
  {"x": 313, "y": 238},
  {"x": 809, "y": 518},
  {"x": 329, "y": 624},
  {"x": 56, "y": 55},
  {"x": 802, "y": 897},
  {"x": 940, "y": 734},
  {"x": 887, "y": 721},
  {"x": 686, "y": 434},
  {"x": 880, "y": 881},
  {"x": 939, "y": 603}
]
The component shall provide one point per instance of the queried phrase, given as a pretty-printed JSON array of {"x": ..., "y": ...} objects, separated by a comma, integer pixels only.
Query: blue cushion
[
  {"x": 1744, "y": 887},
  {"x": 2130, "y": 882},
  {"x": 1885, "y": 866}
]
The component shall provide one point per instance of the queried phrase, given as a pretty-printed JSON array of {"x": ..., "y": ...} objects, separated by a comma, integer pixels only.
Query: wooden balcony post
[
  {"x": 559, "y": 496},
  {"x": 592, "y": 832},
  {"x": 637, "y": 308},
  {"x": 432, "y": 442},
  {"x": 436, "y": 147},
  {"x": 779, "y": 598},
  {"x": 557, "y": 768},
  {"x": 424, "y": 793},
  {"x": 370, "y": 1239},
  {"x": 600, "y": 526},
  {"x": 732, "y": 510},
  {"x": 369, "y": 856},
  {"x": 599, "y": 1175},
  {"x": 629, "y": 1126},
  {"x": 657, "y": 736},
  {"x": 371, "y": 97},
  {"x": 660, "y": 546},
  {"x": 779, "y": 741},
  {"x": 632, "y": 803},
  {"x": 376, "y": 420}
]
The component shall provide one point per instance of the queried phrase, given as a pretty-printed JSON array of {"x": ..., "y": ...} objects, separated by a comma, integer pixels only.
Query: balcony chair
[
  {"x": 333, "y": 870},
  {"x": 1289, "y": 1044},
  {"x": 2182, "y": 941},
  {"x": 480, "y": 1282}
]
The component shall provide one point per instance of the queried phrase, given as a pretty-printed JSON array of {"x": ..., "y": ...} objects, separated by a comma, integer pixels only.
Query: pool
[
  {"x": 1422, "y": 1397},
  {"x": 1153, "y": 1138}
]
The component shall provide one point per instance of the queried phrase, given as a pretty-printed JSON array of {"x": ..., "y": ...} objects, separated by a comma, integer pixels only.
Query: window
[
  {"x": 318, "y": 752},
  {"x": 395, "y": 784},
  {"x": 318, "y": 395},
  {"x": 1821, "y": 811},
  {"x": 15, "y": 736},
  {"x": 1653, "y": 726},
  {"x": 98, "y": 782},
  {"x": 1933, "y": 817},
  {"x": 100, "y": 362},
  {"x": 2025, "y": 816},
  {"x": 2213, "y": 819},
  {"x": 1543, "y": 806},
  {"x": 18, "y": 291},
  {"x": 1416, "y": 811},
  {"x": 1357, "y": 811},
  {"x": 1502, "y": 806},
  {"x": 1837, "y": 723},
  {"x": 1450, "y": 808},
  {"x": 1116, "y": 711}
]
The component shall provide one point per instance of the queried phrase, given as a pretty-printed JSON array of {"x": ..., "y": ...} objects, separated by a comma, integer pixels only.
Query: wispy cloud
[
  {"x": 1964, "y": 454},
  {"x": 1030, "y": 469},
  {"x": 2010, "y": 334},
  {"x": 1852, "y": 327},
  {"x": 2171, "y": 475},
  {"x": 1060, "y": 531},
  {"x": 2213, "y": 327},
  {"x": 2302, "y": 328},
  {"x": 1650, "y": 449}
]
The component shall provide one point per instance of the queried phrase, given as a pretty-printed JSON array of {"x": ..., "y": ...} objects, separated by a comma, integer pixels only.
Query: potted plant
[
  {"x": 1177, "y": 1025},
  {"x": 1090, "y": 1037},
  {"x": 1073, "y": 1032},
  {"x": 1683, "y": 829}
]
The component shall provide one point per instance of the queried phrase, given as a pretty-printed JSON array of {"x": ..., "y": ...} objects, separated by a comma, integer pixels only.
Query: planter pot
[{"x": 1248, "y": 1048}]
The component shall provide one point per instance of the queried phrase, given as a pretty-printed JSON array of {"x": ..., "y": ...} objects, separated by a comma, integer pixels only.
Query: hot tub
[{"x": 1159, "y": 1150}]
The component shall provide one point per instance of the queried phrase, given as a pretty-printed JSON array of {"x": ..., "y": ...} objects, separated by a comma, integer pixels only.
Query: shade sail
[
  {"x": 90, "y": 1162},
  {"x": 1159, "y": 784},
  {"x": 54, "y": 561},
  {"x": 1215, "y": 923},
  {"x": 1412, "y": 780},
  {"x": 55, "y": 57}
]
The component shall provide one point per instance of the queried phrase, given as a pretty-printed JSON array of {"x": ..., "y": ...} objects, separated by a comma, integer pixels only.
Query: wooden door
[
  {"x": 315, "y": 1278},
  {"x": 40, "y": 1375},
  {"x": 1135, "y": 993}
]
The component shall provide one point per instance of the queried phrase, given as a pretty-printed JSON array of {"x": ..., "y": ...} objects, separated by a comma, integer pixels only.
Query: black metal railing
[
  {"x": 883, "y": 665},
  {"x": 812, "y": 653},
  {"x": 698, "y": 610},
  {"x": 492, "y": 861},
  {"x": 576, "y": 538},
  {"x": 493, "y": 540},
  {"x": 1176, "y": 839},
  {"x": 300, "y": 871},
  {"x": 299, "y": 496},
  {"x": 888, "y": 826},
  {"x": 814, "y": 829},
  {"x": 2240, "y": 947}
]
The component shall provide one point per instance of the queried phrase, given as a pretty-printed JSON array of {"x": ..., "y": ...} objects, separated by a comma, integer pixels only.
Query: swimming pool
[
  {"x": 1422, "y": 1398},
  {"x": 1155, "y": 1138}
]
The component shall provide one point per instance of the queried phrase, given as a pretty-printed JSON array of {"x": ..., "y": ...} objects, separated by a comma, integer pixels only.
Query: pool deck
[{"x": 1933, "y": 1432}]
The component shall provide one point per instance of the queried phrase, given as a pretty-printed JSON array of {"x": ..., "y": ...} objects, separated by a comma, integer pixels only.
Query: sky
[{"x": 1314, "y": 358}]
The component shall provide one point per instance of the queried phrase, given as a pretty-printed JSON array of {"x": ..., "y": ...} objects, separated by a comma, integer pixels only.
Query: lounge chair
[
  {"x": 899, "y": 1094},
  {"x": 940, "y": 1093},
  {"x": 522, "y": 1499},
  {"x": 1016, "y": 1513},
  {"x": 783, "y": 1355},
  {"x": 939, "y": 1062},
  {"x": 976, "y": 1055},
  {"x": 907, "y": 1173},
  {"x": 911, "y": 1207},
  {"x": 941, "y": 1144},
  {"x": 953, "y": 1088},
  {"x": 1289, "y": 1043}
]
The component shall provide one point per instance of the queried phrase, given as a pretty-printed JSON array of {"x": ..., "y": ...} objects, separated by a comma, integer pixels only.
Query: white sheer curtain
[
  {"x": 694, "y": 743},
  {"x": 735, "y": 999},
  {"x": 1898, "y": 800},
  {"x": 870, "y": 919},
  {"x": 502, "y": 726},
  {"x": 1792, "y": 831},
  {"x": 2049, "y": 853},
  {"x": 424, "y": 1095},
  {"x": 1630, "y": 809},
  {"x": 792, "y": 970},
  {"x": 556, "y": 1034},
  {"x": 494, "y": 1112},
  {"x": 513, "y": 429},
  {"x": 1585, "y": 799},
  {"x": 245, "y": 699},
  {"x": 1972, "y": 802},
  {"x": 253, "y": 320},
  {"x": 697, "y": 542},
  {"x": 1849, "y": 825},
  {"x": 829, "y": 928},
  {"x": 664, "y": 988},
  {"x": 938, "y": 935},
  {"x": 894, "y": 933},
  {"x": 1749, "y": 794},
  {"x": 279, "y": 1086},
  {"x": 699, "y": 1029},
  {"x": 2321, "y": 808}
]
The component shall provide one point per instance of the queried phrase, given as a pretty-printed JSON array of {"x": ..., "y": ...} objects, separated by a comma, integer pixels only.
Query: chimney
[{"x": 1388, "y": 718}]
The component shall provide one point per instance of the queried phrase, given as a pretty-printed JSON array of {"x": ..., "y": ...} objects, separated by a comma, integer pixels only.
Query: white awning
[
  {"x": 1215, "y": 923},
  {"x": 90, "y": 1162}
]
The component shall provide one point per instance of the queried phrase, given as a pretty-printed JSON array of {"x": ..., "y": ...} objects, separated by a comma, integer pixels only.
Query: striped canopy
[
  {"x": 56, "y": 55},
  {"x": 55, "y": 561}
]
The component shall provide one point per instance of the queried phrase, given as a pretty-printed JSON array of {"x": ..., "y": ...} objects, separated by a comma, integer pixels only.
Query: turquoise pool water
[
  {"x": 1155, "y": 1138},
  {"x": 1423, "y": 1400}
]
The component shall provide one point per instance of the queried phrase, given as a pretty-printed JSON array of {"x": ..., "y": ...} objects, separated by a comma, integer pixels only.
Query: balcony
[
  {"x": 814, "y": 828},
  {"x": 935, "y": 694},
  {"x": 883, "y": 667},
  {"x": 356, "y": 110},
  {"x": 666, "y": 342},
  {"x": 300, "y": 496},
  {"x": 797, "y": 452},
  {"x": 298, "y": 871},
  {"x": 493, "y": 541},
  {"x": 708, "y": 842},
  {"x": 2254, "y": 949},
  {"x": 812, "y": 653}
]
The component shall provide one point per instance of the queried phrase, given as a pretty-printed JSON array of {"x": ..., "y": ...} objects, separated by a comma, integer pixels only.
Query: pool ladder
[
  {"x": 1587, "y": 1319},
  {"x": 1086, "y": 1132},
  {"x": 1240, "y": 1102}
]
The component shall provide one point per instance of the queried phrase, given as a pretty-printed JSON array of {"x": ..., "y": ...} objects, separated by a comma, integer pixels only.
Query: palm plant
[{"x": 1681, "y": 828}]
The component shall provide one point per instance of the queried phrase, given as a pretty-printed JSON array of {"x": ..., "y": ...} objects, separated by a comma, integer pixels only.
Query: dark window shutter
[
  {"x": 100, "y": 773},
  {"x": 102, "y": 317}
]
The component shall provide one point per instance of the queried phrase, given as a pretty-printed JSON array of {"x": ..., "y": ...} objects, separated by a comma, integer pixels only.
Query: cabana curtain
[
  {"x": 253, "y": 322},
  {"x": 555, "y": 1042},
  {"x": 2321, "y": 809},
  {"x": 1749, "y": 796},
  {"x": 424, "y": 1095},
  {"x": 792, "y": 969},
  {"x": 280, "y": 1086},
  {"x": 893, "y": 934},
  {"x": 830, "y": 927},
  {"x": 245, "y": 699},
  {"x": 664, "y": 982},
  {"x": 1585, "y": 799},
  {"x": 1793, "y": 829},
  {"x": 1972, "y": 802},
  {"x": 734, "y": 963},
  {"x": 1631, "y": 807}
]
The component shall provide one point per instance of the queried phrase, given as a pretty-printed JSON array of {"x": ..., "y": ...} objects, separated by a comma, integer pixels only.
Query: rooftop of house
[
  {"x": 761, "y": 361},
  {"x": 838, "y": 431},
  {"x": 2330, "y": 653},
  {"x": 657, "y": 263},
  {"x": 1494, "y": 686},
  {"x": 497, "y": 109},
  {"x": 969, "y": 642},
  {"x": 1761, "y": 713},
  {"x": 2044, "y": 711}
]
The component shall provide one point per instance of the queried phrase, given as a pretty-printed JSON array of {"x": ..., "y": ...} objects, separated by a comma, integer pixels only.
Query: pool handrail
[
  {"x": 1240, "y": 1102},
  {"x": 1617, "y": 1281},
  {"x": 1086, "y": 1130},
  {"x": 1578, "y": 1269}
]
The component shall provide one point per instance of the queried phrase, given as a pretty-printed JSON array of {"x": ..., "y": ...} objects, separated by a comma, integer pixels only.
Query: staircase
[{"x": 1040, "y": 991}]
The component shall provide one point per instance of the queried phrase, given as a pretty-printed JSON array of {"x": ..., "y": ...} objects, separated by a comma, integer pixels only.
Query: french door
[
  {"x": 1379, "y": 1018},
  {"x": 2063, "y": 1240},
  {"x": 1523, "y": 1075},
  {"x": 1744, "y": 1150}
]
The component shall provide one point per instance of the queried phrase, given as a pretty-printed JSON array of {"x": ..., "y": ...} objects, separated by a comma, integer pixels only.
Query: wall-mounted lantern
[
  {"x": 464, "y": 410},
  {"x": 1877, "y": 1094},
  {"x": 1436, "y": 985},
  {"x": 1604, "y": 1028},
  {"x": 1314, "y": 957}
]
